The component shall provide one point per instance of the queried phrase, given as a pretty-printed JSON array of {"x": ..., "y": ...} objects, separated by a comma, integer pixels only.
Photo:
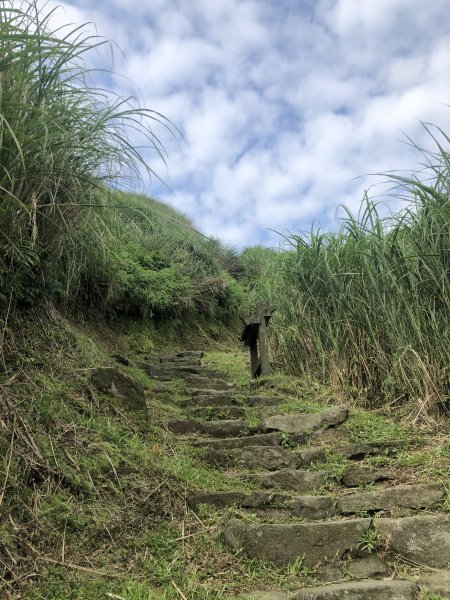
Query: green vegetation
[
  {"x": 367, "y": 307},
  {"x": 66, "y": 235}
]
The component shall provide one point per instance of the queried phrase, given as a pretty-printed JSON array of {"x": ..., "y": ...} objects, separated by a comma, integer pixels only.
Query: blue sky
[{"x": 284, "y": 106}]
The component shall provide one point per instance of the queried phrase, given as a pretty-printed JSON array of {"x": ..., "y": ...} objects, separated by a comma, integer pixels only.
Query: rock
[
  {"x": 253, "y": 457},
  {"x": 191, "y": 354},
  {"x": 111, "y": 380},
  {"x": 260, "y": 596},
  {"x": 311, "y": 455},
  {"x": 263, "y": 401},
  {"x": 213, "y": 413},
  {"x": 400, "y": 496},
  {"x": 313, "y": 508},
  {"x": 330, "y": 573},
  {"x": 264, "y": 439},
  {"x": 425, "y": 540},
  {"x": 179, "y": 360},
  {"x": 358, "y": 451},
  {"x": 224, "y": 394},
  {"x": 207, "y": 382},
  {"x": 225, "y": 428},
  {"x": 355, "y": 475},
  {"x": 210, "y": 401},
  {"x": 211, "y": 387},
  {"x": 284, "y": 543},
  {"x": 292, "y": 479},
  {"x": 222, "y": 499},
  {"x": 367, "y": 567},
  {"x": 439, "y": 583},
  {"x": 360, "y": 590},
  {"x": 183, "y": 426},
  {"x": 307, "y": 423}
]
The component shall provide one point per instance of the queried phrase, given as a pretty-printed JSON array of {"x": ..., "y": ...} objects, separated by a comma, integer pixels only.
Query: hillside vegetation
[{"x": 368, "y": 307}]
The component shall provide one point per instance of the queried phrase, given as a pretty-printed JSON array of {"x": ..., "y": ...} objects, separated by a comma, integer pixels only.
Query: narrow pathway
[{"x": 360, "y": 533}]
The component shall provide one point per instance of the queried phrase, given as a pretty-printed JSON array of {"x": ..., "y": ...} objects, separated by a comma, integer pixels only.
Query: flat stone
[
  {"x": 207, "y": 401},
  {"x": 307, "y": 423},
  {"x": 180, "y": 360},
  {"x": 356, "y": 475},
  {"x": 263, "y": 439},
  {"x": 368, "y": 567},
  {"x": 423, "y": 539},
  {"x": 111, "y": 380},
  {"x": 399, "y": 496},
  {"x": 358, "y": 451},
  {"x": 360, "y": 590},
  {"x": 296, "y": 480},
  {"x": 313, "y": 508},
  {"x": 311, "y": 455},
  {"x": 284, "y": 543},
  {"x": 210, "y": 393},
  {"x": 263, "y": 401},
  {"x": 225, "y": 428},
  {"x": 330, "y": 573},
  {"x": 260, "y": 596},
  {"x": 223, "y": 499},
  {"x": 253, "y": 457},
  {"x": 439, "y": 583},
  {"x": 212, "y": 386},
  {"x": 191, "y": 354},
  {"x": 183, "y": 426},
  {"x": 222, "y": 412}
]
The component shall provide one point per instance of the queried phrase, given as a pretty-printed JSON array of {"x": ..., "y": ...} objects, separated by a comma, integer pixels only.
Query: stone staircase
[{"x": 363, "y": 534}]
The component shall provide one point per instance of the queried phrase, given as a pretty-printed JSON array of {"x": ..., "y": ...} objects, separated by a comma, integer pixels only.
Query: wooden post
[
  {"x": 263, "y": 341},
  {"x": 254, "y": 360},
  {"x": 255, "y": 337}
]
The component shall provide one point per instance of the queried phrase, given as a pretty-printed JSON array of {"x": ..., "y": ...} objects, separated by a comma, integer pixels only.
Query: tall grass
[
  {"x": 61, "y": 141},
  {"x": 368, "y": 307},
  {"x": 66, "y": 233}
]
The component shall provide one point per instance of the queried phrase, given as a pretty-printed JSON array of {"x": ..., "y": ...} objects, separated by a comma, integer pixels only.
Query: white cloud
[{"x": 282, "y": 105}]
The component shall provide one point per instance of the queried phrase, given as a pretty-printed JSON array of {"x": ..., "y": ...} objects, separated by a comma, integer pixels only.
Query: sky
[{"x": 286, "y": 107}]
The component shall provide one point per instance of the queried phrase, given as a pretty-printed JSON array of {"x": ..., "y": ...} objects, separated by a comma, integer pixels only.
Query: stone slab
[
  {"x": 302, "y": 423},
  {"x": 423, "y": 539},
  {"x": 399, "y": 496},
  {"x": 263, "y": 439},
  {"x": 360, "y": 590},
  {"x": 282, "y": 544},
  {"x": 253, "y": 457},
  {"x": 296, "y": 480}
]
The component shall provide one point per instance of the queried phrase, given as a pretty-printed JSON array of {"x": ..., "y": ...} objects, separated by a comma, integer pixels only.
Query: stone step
[
  {"x": 268, "y": 457},
  {"x": 180, "y": 360},
  {"x": 423, "y": 540},
  {"x": 357, "y": 475},
  {"x": 256, "y": 401},
  {"x": 199, "y": 382},
  {"x": 263, "y": 439},
  {"x": 358, "y": 451},
  {"x": 387, "y": 499},
  {"x": 301, "y": 423},
  {"x": 224, "y": 428},
  {"x": 240, "y": 499},
  {"x": 212, "y": 386},
  {"x": 190, "y": 354},
  {"x": 284, "y": 543},
  {"x": 215, "y": 413},
  {"x": 253, "y": 457},
  {"x": 295, "y": 480},
  {"x": 218, "y": 400},
  {"x": 351, "y": 590},
  {"x": 360, "y": 590}
]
